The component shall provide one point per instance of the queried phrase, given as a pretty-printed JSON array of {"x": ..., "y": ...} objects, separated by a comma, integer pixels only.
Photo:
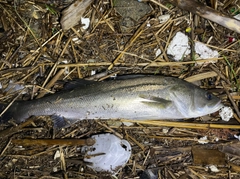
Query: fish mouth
[{"x": 218, "y": 106}]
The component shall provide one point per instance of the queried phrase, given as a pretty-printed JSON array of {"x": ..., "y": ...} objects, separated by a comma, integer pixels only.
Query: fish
[{"x": 149, "y": 97}]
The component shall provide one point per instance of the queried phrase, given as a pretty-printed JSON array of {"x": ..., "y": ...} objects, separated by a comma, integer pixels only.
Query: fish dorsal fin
[
  {"x": 77, "y": 83},
  {"x": 154, "y": 101},
  {"x": 132, "y": 76},
  {"x": 83, "y": 82}
]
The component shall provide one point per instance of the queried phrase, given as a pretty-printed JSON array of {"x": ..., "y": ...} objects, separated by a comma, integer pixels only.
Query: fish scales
[{"x": 140, "y": 98}]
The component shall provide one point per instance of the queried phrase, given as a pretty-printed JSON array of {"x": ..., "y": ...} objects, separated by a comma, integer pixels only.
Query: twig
[
  {"x": 114, "y": 132},
  {"x": 56, "y": 63},
  {"x": 129, "y": 44},
  {"x": 201, "y": 76},
  {"x": 135, "y": 141},
  {"x": 231, "y": 99},
  {"x": 208, "y": 13},
  {"x": 12, "y": 18},
  {"x": 155, "y": 2},
  {"x": 51, "y": 83},
  {"x": 25, "y": 23},
  {"x": 220, "y": 74},
  {"x": 41, "y": 46},
  {"x": 5, "y": 148},
  {"x": 184, "y": 124},
  {"x": 8, "y": 106},
  {"x": 50, "y": 142},
  {"x": 13, "y": 130},
  {"x": 153, "y": 64}
]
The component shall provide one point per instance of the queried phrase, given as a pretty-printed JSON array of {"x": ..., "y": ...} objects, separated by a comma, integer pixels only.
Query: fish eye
[{"x": 208, "y": 96}]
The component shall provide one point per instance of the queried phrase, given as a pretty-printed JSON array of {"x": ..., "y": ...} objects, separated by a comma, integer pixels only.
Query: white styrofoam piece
[
  {"x": 204, "y": 51},
  {"x": 237, "y": 16},
  {"x": 203, "y": 140},
  {"x": 226, "y": 113},
  {"x": 163, "y": 18},
  {"x": 213, "y": 168},
  {"x": 179, "y": 46},
  {"x": 158, "y": 52}
]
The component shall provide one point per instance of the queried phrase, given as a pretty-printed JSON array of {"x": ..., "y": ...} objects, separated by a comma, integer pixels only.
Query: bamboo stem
[
  {"x": 184, "y": 124},
  {"x": 208, "y": 13}
]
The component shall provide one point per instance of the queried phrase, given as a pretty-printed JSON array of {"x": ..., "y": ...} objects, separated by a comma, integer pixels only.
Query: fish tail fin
[
  {"x": 2, "y": 113},
  {"x": 5, "y": 115}
]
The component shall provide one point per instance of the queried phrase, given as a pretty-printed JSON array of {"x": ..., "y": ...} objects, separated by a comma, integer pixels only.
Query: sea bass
[{"x": 139, "y": 98}]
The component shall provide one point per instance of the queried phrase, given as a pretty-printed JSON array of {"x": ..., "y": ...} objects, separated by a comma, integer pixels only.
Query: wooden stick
[
  {"x": 51, "y": 83},
  {"x": 72, "y": 14},
  {"x": 12, "y": 130},
  {"x": 49, "y": 142},
  {"x": 153, "y": 64},
  {"x": 9, "y": 105},
  {"x": 184, "y": 124},
  {"x": 220, "y": 74},
  {"x": 201, "y": 76},
  {"x": 208, "y": 13},
  {"x": 231, "y": 99}
]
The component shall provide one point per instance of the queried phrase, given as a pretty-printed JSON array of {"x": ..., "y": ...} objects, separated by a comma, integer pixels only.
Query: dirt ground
[{"x": 38, "y": 57}]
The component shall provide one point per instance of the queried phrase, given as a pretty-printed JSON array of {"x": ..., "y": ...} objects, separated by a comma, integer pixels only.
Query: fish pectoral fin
[
  {"x": 156, "y": 101},
  {"x": 59, "y": 121},
  {"x": 157, "y": 104}
]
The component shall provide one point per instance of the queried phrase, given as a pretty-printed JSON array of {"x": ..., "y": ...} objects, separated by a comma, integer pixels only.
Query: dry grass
[{"x": 37, "y": 53}]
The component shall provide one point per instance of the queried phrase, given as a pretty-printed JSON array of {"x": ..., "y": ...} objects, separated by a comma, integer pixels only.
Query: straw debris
[{"x": 43, "y": 45}]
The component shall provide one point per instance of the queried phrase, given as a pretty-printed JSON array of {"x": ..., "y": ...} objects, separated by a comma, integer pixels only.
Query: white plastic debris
[
  {"x": 213, "y": 168},
  {"x": 108, "y": 154},
  {"x": 56, "y": 155},
  {"x": 163, "y": 18},
  {"x": 165, "y": 130},
  {"x": 91, "y": 61},
  {"x": 14, "y": 160},
  {"x": 203, "y": 140},
  {"x": 179, "y": 46},
  {"x": 66, "y": 69},
  {"x": 158, "y": 52},
  {"x": 237, "y": 16},
  {"x": 237, "y": 137},
  {"x": 226, "y": 113},
  {"x": 86, "y": 22},
  {"x": 204, "y": 51},
  {"x": 93, "y": 72},
  {"x": 12, "y": 87},
  {"x": 128, "y": 124},
  {"x": 76, "y": 40},
  {"x": 55, "y": 169}
]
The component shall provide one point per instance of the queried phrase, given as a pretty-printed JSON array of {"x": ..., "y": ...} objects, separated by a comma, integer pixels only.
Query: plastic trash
[
  {"x": 179, "y": 47},
  {"x": 163, "y": 18},
  {"x": 226, "y": 113},
  {"x": 204, "y": 51},
  {"x": 108, "y": 154}
]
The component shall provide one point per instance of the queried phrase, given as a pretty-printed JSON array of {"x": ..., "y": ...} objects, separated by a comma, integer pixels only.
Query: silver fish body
[{"x": 141, "y": 98}]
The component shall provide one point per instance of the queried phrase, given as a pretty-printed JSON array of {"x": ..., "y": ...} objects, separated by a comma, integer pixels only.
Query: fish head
[
  {"x": 205, "y": 102},
  {"x": 192, "y": 101}
]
